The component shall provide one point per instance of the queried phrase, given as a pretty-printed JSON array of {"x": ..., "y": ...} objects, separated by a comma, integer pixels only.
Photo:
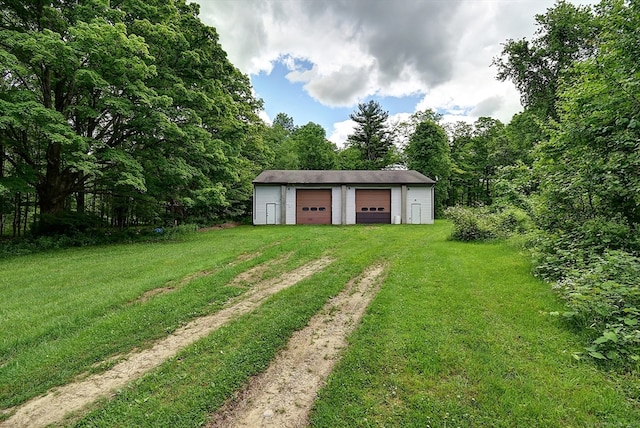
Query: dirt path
[
  {"x": 282, "y": 396},
  {"x": 55, "y": 405}
]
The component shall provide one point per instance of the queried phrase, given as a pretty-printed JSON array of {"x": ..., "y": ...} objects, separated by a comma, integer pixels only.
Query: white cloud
[
  {"x": 359, "y": 48},
  {"x": 341, "y": 130}
]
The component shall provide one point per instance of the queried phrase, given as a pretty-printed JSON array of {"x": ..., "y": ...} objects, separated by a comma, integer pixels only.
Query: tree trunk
[
  {"x": 53, "y": 189},
  {"x": 26, "y": 215},
  {"x": 80, "y": 201},
  {"x": 16, "y": 216}
]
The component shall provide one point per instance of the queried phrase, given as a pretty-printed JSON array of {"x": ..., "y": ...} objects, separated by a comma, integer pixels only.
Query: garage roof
[{"x": 341, "y": 177}]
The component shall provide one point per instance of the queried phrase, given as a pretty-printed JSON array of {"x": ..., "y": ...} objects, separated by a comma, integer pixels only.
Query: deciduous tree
[
  {"x": 313, "y": 148},
  {"x": 133, "y": 99},
  {"x": 565, "y": 35},
  {"x": 428, "y": 153}
]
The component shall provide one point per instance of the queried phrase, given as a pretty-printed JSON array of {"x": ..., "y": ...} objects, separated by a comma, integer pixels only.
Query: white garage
[{"x": 342, "y": 197}]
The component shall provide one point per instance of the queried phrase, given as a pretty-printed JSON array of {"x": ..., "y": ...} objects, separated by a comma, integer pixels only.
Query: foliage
[
  {"x": 590, "y": 165},
  {"x": 514, "y": 186},
  {"x": 278, "y": 138},
  {"x": 121, "y": 104},
  {"x": 428, "y": 153},
  {"x": 579, "y": 82},
  {"x": 371, "y": 136},
  {"x": 86, "y": 236},
  {"x": 604, "y": 298},
  {"x": 565, "y": 35},
  {"x": 313, "y": 149},
  {"x": 349, "y": 158},
  {"x": 485, "y": 223},
  {"x": 477, "y": 152}
]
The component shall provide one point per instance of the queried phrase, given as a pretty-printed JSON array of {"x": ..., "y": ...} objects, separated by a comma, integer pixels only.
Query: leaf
[
  {"x": 597, "y": 355},
  {"x": 612, "y": 355},
  {"x": 631, "y": 321},
  {"x": 611, "y": 335}
]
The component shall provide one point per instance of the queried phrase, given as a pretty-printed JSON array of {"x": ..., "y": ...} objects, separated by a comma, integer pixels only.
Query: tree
[
  {"x": 524, "y": 133},
  {"x": 565, "y": 35},
  {"x": 131, "y": 99},
  {"x": 460, "y": 135},
  {"x": 284, "y": 122},
  {"x": 278, "y": 139},
  {"x": 428, "y": 153},
  {"x": 589, "y": 168},
  {"x": 487, "y": 153},
  {"x": 313, "y": 148},
  {"x": 477, "y": 151},
  {"x": 371, "y": 136}
]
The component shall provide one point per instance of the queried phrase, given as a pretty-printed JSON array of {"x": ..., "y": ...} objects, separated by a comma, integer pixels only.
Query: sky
[{"x": 315, "y": 60}]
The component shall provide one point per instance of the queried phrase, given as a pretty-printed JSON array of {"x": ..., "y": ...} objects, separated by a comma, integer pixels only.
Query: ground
[{"x": 281, "y": 396}]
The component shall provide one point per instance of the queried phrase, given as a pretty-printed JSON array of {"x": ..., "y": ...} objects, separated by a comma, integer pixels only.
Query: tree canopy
[
  {"x": 565, "y": 34},
  {"x": 428, "y": 152},
  {"x": 133, "y": 104}
]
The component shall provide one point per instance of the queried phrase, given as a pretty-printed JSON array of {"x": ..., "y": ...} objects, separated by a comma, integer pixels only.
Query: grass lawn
[{"x": 458, "y": 335}]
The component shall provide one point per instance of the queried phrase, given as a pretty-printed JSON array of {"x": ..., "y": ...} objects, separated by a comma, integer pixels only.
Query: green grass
[{"x": 458, "y": 336}]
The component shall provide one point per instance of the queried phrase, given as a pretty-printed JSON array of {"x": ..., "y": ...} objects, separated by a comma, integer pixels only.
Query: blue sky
[
  {"x": 282, "y": 96},
  {"x": 315, "y": 60}
]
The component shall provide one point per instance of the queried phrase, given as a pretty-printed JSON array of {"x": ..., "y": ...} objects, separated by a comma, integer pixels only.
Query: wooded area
[{"x": 128, "y": 112}]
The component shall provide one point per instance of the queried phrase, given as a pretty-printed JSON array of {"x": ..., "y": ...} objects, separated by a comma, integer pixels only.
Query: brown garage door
[
  {"x": 313, "y": 206},
  {"x": 373, "y": 206}
]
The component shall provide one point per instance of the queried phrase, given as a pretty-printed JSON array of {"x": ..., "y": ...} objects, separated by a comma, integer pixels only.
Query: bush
[
  {"x": 479, "y": 224},
  {"x": 68, "y": 223},
  {"x": 103, "y": 236},
  {"x": 604, "y": 298},
  {"x": 562, "y": 251}
]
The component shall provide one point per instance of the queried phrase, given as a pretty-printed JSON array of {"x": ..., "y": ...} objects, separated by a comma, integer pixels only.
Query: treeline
[
  {"x": 128, "y": 113},
  {"x": 468, "y": 160},
  {"x": 577, "y": 175}
]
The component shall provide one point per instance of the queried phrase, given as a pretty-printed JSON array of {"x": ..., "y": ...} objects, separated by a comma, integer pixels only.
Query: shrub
[
  {"x": 604, "y": 298},
  {"x": 564, "y": 250},
  {"x": 481, "y": 223},
  {"x": 469, "y": 224},
  {"x": 102, "y": 236}
]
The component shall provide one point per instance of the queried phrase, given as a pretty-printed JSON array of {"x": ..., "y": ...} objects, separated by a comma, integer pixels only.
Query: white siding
[
  {"x": 396, "y": 202},
  {"x": 291, "y": 205},
  {"x": 422, "y": 196},
  {"x": 351, "y": 205},
  {"x": 266, "y": 195},
  {"x": 419, "y": 195},
  {"x": 336, "y": 205}
]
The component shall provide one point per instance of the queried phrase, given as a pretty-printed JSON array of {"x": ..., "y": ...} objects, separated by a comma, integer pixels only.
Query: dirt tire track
[
  {"x": 282, "y": 396},
  {"x": 59, "y": 402}
]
